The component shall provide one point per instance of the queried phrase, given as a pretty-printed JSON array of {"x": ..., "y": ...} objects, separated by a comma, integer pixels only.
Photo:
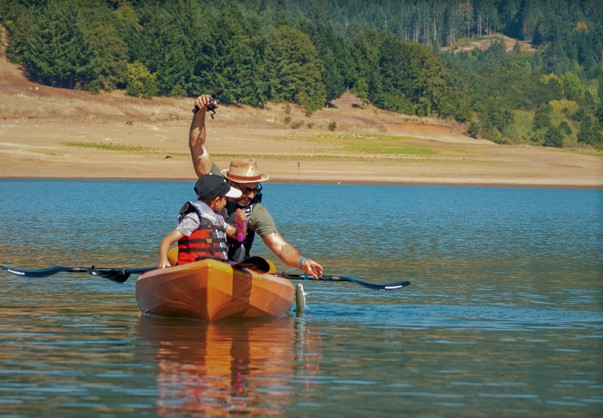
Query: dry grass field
[{"x": 47, "y": 132}]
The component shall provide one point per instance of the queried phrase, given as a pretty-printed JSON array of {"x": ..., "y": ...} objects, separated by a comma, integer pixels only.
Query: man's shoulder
[
  {"x": 260, "y": 208},
  {"x": 261, "y": 220},
  {"x": 261, "y": 214}
]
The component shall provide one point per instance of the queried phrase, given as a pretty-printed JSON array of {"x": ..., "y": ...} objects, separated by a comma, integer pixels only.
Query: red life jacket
[{"x": 209, "y": 241}]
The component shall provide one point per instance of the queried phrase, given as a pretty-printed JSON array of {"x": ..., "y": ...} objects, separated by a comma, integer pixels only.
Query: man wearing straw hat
[{"x": 243, "y": 174}]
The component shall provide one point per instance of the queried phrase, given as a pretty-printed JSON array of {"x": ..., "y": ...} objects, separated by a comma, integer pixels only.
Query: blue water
[{"x": 504, "y": 314}]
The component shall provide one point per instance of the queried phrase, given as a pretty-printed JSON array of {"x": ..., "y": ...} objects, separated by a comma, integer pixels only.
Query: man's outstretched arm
[{"x": 291, "y": 255}]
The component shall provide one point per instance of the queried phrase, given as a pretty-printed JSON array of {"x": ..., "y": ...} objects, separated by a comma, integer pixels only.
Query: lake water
[{"x": 503, "y": 318}]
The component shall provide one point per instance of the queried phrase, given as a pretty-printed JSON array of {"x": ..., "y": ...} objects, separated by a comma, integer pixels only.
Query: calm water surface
[{"x": 503, "y": 317}]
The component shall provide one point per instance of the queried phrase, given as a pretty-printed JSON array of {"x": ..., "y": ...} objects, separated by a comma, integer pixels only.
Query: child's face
[{"x": 220, "y": 203}]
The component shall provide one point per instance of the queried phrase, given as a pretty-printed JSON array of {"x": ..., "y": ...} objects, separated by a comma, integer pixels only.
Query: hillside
[{"x": 47, "y": 132}]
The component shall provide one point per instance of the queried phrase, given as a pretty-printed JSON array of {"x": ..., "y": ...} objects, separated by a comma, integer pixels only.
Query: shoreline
[{"x": 367, "y": 182}]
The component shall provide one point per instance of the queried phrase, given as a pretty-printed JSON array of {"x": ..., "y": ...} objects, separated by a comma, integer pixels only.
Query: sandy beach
[{"x": 54, "y": 133}]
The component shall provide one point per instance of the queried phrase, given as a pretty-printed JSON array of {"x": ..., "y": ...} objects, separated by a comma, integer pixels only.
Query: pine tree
[
  {"x": 57, "y": 52},
  {"x": 293, "y": 69}
]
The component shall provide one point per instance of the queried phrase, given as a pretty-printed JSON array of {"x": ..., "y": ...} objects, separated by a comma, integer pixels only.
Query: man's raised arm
[{"x": 199, "y": 154}]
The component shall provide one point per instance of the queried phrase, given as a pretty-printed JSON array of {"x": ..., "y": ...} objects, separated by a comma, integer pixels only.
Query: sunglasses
[{"x": 248, "y": 190}]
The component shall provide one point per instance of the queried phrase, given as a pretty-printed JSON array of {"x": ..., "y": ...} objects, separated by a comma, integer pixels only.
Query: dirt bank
[{"x": 54, "y": 133}]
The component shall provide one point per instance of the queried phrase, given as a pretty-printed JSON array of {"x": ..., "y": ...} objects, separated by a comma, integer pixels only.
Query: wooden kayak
[{"x": 213, "y": 290}]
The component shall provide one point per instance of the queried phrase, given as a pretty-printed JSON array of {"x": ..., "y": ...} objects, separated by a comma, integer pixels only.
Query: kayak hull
[{"x": 213, "y": 290}]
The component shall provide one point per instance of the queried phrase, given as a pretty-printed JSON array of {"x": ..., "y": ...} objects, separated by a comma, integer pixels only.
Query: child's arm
[
  {"x": 164, "y": 247},
  {"x": 241, "y": 225},
  {"x": 233, "y": 232}
]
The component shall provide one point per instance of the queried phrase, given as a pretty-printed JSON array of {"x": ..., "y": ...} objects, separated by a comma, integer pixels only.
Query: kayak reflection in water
[{"x": 218, "y": 368}]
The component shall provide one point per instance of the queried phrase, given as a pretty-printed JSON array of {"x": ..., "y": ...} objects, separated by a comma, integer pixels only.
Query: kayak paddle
[
  {"x": 260, "y": 264},
  {"x": 374, "y": 286},
  {"x": 118, "y": 275}
]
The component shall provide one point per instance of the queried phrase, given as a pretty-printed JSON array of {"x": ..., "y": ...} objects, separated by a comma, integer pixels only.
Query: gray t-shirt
[
  {"x": 260, "y": 220},
  {"x": 189, "y": 224}
]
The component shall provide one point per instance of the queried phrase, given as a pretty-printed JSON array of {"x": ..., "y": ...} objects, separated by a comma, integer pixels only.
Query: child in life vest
[{"x": 202, "y": 230}]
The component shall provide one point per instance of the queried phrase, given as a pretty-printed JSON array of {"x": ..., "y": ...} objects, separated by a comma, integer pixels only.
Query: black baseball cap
[{"x": 213, "y": 185}]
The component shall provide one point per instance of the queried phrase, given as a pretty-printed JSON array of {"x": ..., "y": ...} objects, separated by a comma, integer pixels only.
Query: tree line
[{"x": 400, "y": 55}]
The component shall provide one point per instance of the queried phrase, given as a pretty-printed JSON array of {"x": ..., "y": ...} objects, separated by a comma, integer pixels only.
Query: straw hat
[{"x": 244, "y": 171}]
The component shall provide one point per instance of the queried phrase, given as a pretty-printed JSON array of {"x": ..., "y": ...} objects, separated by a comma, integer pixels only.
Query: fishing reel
[{"x": 212, "y": 105}]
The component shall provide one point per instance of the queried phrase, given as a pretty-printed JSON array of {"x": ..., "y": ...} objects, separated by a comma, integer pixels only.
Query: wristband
[{"x": 300, "y": 261}]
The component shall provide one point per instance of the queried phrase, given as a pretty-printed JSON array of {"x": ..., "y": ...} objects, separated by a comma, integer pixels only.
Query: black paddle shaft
[{"x": 374, "y": 286}]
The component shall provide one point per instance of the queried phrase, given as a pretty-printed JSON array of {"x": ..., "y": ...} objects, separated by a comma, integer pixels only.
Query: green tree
[
  {"x": 553, "y": 138},
  {"x": 238, "y": 57},
  {"x": 141, "y": 82},
  {"x": 18, "y": 20},
  {"x": 413, "y": 79},
  {"x": 332, "y": 50},
  {"x": 590, "y": 133},
  {"x": 293, "y": 69},
  {"x": 572, "y": 85},
  {"x": 565, "y": 129},
  {"x": 395, "y": 88},
  {"x": 173, "y": 40},
  {"x": 551, "y": 88},
  {"x": 496, "y": 116},
  {"x": 364, "y": 49},
  {"x": 542, "y": 118},
  {"x": 429, "y": 87},
  {"x": 128, "y": 25},
  {"x": 109, "y": 52},
  {"x": 55, "y": 51}
]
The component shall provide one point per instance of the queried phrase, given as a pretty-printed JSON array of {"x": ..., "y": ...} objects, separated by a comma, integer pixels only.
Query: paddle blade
[
  {"x": 118, "y": 275},
  {"x": 115, "y": 275},
  {"x": 255, "y": 263},
  {"x": 35, "y": 273}
]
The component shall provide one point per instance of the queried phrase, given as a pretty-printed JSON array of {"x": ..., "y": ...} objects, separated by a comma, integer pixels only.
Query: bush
[
  {"x": 553, "y": 138},
  {"x": 542, "y": 118},
  {"x": 474, "y": 129},
  {"x": 178, "y": 92},
  {"x": 565, "y": 128},
  {"x": 590, "y": 133},
  {"x": 141, "y": 82}
]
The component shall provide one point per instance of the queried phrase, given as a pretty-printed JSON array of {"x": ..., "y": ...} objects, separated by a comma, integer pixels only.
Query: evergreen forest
[{"x": 448, "y": 59}]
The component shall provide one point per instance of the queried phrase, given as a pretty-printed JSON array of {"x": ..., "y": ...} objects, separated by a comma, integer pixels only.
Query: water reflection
[{"x": 241, "y": 367}]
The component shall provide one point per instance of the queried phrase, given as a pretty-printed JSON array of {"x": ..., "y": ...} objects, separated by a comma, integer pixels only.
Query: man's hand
[{"x": 206, "y": 102}]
